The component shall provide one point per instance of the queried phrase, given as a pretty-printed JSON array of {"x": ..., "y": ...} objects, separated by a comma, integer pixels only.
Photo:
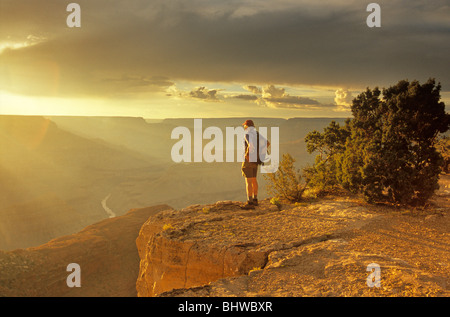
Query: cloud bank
[
  {"x": 276, "y": 97},
  {"x": 145, "y": 46},
  {"x": 204, "y": 94}
]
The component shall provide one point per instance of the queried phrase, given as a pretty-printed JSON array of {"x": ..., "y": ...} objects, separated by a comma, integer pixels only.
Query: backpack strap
[{"x": 258, "y": 159}]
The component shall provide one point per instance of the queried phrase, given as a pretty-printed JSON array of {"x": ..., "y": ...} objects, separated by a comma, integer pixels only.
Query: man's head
[{"x": 248, "y": 123}]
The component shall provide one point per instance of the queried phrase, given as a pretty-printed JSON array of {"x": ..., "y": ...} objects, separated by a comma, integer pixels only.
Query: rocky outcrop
[
  {"x": 320, "y": 248},
  {"x": 172, "y": 256},
  {"x": 106, "y": 252},
  {"x": 204, "y": 243}
]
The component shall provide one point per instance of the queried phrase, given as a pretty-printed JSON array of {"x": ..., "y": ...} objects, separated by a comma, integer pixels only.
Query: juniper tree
[{"x": 389, "y": 152}]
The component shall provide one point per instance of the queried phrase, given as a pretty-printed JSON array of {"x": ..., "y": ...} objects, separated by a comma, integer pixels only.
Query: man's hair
[{"x": 249, "y": 123}]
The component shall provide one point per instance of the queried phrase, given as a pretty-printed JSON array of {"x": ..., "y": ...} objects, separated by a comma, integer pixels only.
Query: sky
[{"x": 214, "y": 58}]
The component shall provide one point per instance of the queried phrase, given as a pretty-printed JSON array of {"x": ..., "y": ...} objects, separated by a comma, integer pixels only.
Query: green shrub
[{"x": 286, "y": 182}]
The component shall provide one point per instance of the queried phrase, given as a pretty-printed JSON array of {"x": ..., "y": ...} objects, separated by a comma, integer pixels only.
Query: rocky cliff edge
[{"x": 316, "y": 248}]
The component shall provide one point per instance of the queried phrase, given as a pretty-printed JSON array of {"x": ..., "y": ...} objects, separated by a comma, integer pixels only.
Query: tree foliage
[
  {"x": 443, "y": 146},
  {"x": 387, "y": 151},
  {"x": 329, "y": 144}
]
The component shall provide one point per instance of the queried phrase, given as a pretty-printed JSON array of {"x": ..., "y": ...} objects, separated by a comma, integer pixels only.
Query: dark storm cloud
[
  {"x": 284, "y": 42},
  {"x": 128, "y": 85}
]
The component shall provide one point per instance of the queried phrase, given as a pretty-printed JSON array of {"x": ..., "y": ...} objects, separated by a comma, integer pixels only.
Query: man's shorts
[{"x": 249, "y": 169}]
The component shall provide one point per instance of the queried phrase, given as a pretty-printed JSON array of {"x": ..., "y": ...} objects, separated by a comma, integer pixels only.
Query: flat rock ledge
[{"x": 318, "y": 248}]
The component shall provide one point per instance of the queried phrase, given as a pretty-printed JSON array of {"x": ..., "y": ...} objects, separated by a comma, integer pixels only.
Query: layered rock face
[
  {"x": 106, "y": 252},
  {"x": 201, "y": 244},
  {"x": 320, "y": 248},
  {"x": 174, "y": 256}
]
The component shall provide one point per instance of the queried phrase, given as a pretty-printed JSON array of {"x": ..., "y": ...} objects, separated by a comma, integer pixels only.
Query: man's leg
[
  {"x": 255, "y": 190},
  {"x": 249, "y": 187},
  {"x": 250, "y": 179}
]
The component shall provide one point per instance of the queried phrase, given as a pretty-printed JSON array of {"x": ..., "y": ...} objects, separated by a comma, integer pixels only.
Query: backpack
[{"x": 261, "y": 153}]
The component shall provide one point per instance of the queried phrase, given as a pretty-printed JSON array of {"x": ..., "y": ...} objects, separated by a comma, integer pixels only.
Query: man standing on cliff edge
[{"x": 253, "y": 142}]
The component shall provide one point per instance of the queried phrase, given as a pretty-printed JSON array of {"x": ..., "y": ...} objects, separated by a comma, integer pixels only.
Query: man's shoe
[
  {"x": 255, "y": 202},
  {"x": 248, "y": 205}
]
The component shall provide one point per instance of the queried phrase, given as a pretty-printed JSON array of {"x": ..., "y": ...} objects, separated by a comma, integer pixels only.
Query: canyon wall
[{"x": 106, "y": 252}]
